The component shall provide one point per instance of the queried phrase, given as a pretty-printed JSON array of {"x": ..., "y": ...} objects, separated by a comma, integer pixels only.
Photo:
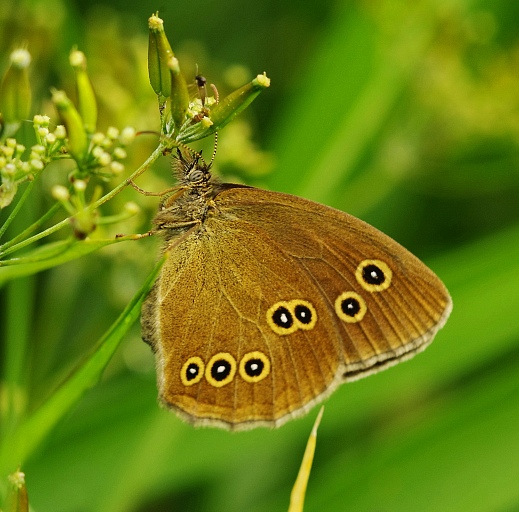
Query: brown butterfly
[{"x": 268, "y": 302}]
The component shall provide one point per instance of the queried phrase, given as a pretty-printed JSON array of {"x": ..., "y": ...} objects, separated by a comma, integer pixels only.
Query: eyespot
[
  {"x": 350, "y": 307},
  {"x": 192, "y": 371},
  {"x": 220, "y": 369},
  {"x": 304, "y": 314},
  {"x": 281, "y": 319},
  {"x": 254, "y": 366},
  {"x": 374, "y": 275}
]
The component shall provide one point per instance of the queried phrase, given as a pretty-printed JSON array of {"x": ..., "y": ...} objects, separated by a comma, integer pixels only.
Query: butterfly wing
[{"x": 275, "y": 301}]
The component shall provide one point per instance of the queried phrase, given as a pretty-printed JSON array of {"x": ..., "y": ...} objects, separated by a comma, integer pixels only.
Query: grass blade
[{"x": 297, "y": 497}]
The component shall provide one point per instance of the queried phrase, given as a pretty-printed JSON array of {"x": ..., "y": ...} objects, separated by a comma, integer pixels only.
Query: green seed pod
[
  {"x": 159, "y": 54},
  {"x": 226, "y": 110},
  {"x": 179, "y": 93},
  {"x": 85, "y": 93},
  {"x": 237, "y": 101},
  {"x": 77, "y": 137}
]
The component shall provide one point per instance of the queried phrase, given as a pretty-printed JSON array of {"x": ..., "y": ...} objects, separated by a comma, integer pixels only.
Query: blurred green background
[{"x": 404, "y": 113}]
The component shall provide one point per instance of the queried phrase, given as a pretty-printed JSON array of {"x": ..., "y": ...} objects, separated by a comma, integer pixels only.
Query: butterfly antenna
[
  {"x": 194, "y": 154},
  {"x": 217, "y": 100},
  {"x": 215, "y": 147}
]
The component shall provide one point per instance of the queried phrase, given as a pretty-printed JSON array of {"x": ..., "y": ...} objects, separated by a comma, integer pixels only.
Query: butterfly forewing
[{"x": 330, "y": 246}]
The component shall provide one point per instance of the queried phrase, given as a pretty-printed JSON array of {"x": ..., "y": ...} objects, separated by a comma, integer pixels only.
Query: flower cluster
[{"x": 95, "y": 153}]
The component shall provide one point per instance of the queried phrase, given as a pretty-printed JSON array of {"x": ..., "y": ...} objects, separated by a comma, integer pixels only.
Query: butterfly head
[{"x": 191, "y": 170}]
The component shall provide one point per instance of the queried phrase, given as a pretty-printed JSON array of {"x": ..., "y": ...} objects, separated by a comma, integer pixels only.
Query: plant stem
[
  {"x": 53, "y": 229},
  {"x": 33, "y": 227},
  {"x": 16, "y": 209}
]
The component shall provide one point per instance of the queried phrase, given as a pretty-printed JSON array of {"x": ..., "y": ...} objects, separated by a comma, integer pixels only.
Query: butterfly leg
[
  {"x": 171, "y": 199},
  {"x": 163, "y": 193},
  {"x": 137, "y": 236}
]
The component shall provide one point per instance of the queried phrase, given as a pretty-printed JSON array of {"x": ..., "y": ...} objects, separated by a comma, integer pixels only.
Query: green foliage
[{"x": 402, "y": 113}]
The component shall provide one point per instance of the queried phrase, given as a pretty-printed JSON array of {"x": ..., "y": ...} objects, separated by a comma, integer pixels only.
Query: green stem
[
  {"x": 16, "y": 209},
  {"x": 33, "y": 227}
]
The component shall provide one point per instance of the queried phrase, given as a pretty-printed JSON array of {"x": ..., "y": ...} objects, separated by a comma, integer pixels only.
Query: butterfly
[{"x": 267, "y": 302}]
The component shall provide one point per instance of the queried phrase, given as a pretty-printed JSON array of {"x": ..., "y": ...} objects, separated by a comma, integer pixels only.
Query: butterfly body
[{"x": 267, "y": 302}]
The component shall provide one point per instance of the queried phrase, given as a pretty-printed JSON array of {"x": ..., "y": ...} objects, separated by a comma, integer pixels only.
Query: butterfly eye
[
  {"x": 254, "y": 366},
  {"x": 350, "y": 307},
  {"x": 305, "y": 314},
  {"x": 192, "y": 371},
  {"x": 280, "y": 319},
  {"x": 374, "y": 275},
  {"x": 220, "y": 369},
  {"x": 195, "y": 176}
]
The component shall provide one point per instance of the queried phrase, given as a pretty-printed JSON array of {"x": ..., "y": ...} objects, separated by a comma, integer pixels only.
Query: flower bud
[
  {"x": 112, "y": 132},
  {"x": 80, "y": 185},
  {"x": 104, "y": 159},
  {"x": 9, "y": 171},
  {"x": 97, "y": 151},
  {"x": 127, "y": 136},
  {"x": 8, "y": 151},
  {"x": 50, "y": 139},
  {"x": 60, "y": 132},
  {"x": 206, "y": 122},
  {"x": 37, "y": 165},
  {"x": 226, "y": 110},
  {"x": 42, "y": 132},
  {"x": 120, "y": 153},
  {"x": 60, "y": 193},
  {"x": 159, "y": 53},
  {"x": 117, "y": 168},
  {"x": 37, "y": 150},
  {"x": 98, "y": 138},
  {"x": 39, "y": 120},
  {"x": 107, "y": 143}
]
